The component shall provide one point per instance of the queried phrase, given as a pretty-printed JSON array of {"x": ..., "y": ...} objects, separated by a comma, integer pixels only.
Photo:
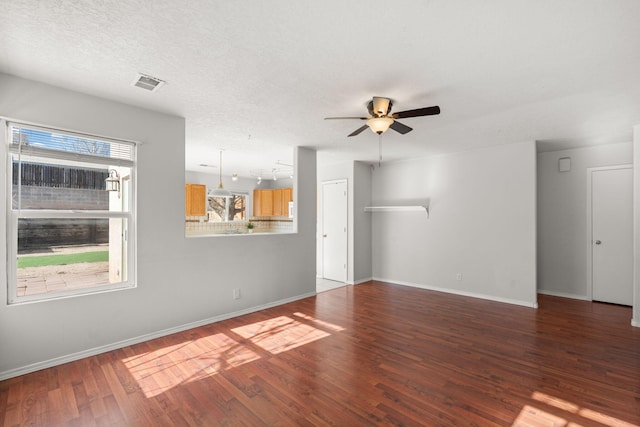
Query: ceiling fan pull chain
[{"x": 380, "y": 149}]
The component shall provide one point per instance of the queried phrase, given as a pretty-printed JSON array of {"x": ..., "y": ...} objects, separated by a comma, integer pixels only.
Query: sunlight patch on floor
[
  {"x": 554, "y": 401},
  {"x": 535, "y": 417},
  {"x": 165, "y": 368},
  {"x": 280, "y": 334},
  {"x": 319, "y": 322}
]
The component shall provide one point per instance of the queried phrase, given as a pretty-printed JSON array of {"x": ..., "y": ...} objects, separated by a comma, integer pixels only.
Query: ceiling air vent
[{"x": 147, "y": 82}]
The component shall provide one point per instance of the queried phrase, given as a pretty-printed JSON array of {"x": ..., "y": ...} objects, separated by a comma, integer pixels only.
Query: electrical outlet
[
  {"x": 236, "y": 293},
  {"x": 458, "y": 276}
]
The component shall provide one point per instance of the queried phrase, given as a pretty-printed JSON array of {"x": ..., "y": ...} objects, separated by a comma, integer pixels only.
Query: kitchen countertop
[{"x": 206, "y": 233}]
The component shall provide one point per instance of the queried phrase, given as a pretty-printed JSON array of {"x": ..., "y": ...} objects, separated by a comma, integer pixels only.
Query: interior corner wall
[
  {"x": 181, "y": 282},
  {"x": 636, "y": 226},
  {"x": 562, "y": 216},
  {"x": 362, "y": 266},
  {"x": 481, "y": 226}
]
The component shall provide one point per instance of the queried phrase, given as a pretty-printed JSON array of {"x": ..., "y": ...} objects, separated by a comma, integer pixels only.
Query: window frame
[
  {"x": 243, "y": 194},
  {"x": 13, "y": 215}
]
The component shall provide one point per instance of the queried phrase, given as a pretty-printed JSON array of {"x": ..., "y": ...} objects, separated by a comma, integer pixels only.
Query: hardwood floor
[{"x": 365, "y": 355}]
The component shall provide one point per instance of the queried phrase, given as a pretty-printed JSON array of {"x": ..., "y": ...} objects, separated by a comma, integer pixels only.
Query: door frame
[
  {"x": 322, "y": 231},
  {"x": 590, "y": 172}
]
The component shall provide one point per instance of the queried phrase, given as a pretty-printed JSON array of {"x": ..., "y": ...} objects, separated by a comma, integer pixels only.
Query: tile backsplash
[{"x": 196, "y": 226}]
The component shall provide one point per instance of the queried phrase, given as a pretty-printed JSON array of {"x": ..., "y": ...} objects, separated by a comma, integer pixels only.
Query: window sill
[{"x": 52, "y": 296}]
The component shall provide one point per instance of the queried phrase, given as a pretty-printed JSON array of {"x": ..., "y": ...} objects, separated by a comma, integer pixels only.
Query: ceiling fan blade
[
  {"x": 341, "y": 118},
  {"x": 358, "y": 131},
  {"x": 400, "y": 128},
  {"x": 427, "y": 111}
]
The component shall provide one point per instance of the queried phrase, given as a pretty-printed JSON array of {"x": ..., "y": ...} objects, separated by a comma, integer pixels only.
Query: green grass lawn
[{"x": 62, "y": 259}]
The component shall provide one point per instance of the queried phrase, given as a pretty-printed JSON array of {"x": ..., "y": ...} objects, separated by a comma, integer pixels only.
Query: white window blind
[{"x": 31, "y": 140}]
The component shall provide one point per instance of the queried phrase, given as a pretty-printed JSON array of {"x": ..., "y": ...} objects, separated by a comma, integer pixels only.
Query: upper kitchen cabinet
[
  {"x": 277, "y": 202},
  {"x": 196, "y": 200},
  {"x": 262, "y": 203},
  {"x": 272, "y": 202},
  {"x": 287, "y": 196}
]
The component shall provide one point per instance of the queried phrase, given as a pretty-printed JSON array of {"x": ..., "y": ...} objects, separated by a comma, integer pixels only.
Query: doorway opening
[{"x": 333, "y": 235}]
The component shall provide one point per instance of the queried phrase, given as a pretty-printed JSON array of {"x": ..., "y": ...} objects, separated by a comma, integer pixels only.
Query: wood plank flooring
[{"x": 373, "y": 354}]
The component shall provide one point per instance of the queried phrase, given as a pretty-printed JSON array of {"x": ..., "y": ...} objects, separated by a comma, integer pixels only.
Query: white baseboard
[
  {"x": 563, "y": 294},
  {"x": 357, "y": 282},
  {"x": 11, "y": 373},
  {"x": 461, "y": 293}
]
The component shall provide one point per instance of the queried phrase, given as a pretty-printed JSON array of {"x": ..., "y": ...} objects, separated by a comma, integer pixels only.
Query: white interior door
[
  {"x": 334, "y": 230},
  {"x": 612, "y": 235}
]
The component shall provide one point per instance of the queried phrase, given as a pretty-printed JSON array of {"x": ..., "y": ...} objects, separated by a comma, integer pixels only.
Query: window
[
  {"x": 66, "y": 234},
  {"x": 225, "y": 209}
]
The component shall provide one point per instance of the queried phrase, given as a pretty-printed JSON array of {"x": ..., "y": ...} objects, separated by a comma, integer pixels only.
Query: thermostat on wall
[{"x": 564, "y": 164}]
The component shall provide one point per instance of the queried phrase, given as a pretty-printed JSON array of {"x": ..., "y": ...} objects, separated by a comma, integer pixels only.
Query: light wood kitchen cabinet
[
  {"x": 262, "y": 203},
  {"x": 257, "y": 202},
  {"x": 196, "y": 200},
  {"x": 287, "y": 196},
  {"x": 272, "y": 202},
  {"x": 277, "y": 202}
]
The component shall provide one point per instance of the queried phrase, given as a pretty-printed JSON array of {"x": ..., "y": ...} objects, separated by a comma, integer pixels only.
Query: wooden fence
[
  {"x": 44, "y": 233},
  {"x": 42, "y": 175},
  {"x": 60, "y": 187}
]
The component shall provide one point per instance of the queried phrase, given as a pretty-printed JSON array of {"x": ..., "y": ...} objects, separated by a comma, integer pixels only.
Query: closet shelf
[{"x": 396, "y": 209}]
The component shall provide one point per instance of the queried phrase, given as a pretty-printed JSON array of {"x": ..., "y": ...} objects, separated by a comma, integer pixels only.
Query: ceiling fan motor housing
[{"x": 379, "y": 106}]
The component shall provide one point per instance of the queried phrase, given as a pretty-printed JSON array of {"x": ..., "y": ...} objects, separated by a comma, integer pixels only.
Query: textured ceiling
[{"x": 256, "y": 78}]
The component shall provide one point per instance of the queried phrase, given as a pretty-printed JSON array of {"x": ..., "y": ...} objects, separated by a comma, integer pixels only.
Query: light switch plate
[{"x": 564, "y": 164}]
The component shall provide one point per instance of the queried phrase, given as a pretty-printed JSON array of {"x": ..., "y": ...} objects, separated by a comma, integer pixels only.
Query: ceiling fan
[{"x": 380, "y": 120}]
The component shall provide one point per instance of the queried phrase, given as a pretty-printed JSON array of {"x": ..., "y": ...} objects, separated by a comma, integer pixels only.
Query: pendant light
[{"x": 220, "y": 191}]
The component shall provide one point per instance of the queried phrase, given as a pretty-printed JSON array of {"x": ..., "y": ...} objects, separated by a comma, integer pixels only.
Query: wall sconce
[{"x": 112, "y": 183}]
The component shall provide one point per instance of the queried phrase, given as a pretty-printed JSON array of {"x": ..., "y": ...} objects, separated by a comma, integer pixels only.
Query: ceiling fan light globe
[{"x": 379, "y": 125}]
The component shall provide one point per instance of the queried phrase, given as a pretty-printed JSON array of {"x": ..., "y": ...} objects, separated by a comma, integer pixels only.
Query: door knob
[
  {"x": 324, "y": 235},
  {"x": 597, "y": 242}
]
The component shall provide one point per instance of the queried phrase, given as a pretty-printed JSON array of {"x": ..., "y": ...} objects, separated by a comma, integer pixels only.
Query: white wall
[
  {"x": 211, "y": 180},
  {"x": 636, "y": 226},
  {"x": 181, "y": 282},
  {"x": 362, "y": 261},
  {"x": 482, "y": 223},
  {"x": 563, "y": 242}
]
